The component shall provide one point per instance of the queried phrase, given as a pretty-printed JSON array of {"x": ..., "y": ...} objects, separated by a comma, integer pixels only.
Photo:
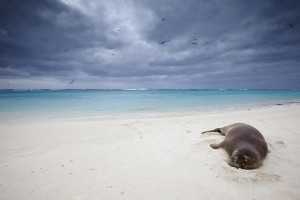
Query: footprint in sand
[
  {"x": 251, "y": 176},
  {"x": 280, "y": 143},
  {"x": 264, "y": 176},
  {"x": 277, "y": 145},
  {"x": 140, "y": 135}
]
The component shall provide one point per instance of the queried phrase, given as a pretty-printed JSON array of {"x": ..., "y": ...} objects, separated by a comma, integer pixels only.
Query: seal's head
[{"x": 245, "y": 158}]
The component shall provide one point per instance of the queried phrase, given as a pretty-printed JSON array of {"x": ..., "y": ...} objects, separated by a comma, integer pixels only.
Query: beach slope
[{"x": 148, "y": 158}]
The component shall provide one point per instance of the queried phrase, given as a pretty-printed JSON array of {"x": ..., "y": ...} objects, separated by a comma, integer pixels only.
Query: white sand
[{"x": 150, "y": 158}]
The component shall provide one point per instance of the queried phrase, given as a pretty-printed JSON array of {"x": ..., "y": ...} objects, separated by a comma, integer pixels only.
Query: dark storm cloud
[{"x": 116, "y": 44}]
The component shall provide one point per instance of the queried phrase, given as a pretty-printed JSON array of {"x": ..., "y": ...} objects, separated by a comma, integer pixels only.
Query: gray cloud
[{"x": 116, "y": 44}]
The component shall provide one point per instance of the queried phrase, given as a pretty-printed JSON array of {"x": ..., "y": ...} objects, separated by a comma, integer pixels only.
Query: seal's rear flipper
[{"x": 214, "y": 130}]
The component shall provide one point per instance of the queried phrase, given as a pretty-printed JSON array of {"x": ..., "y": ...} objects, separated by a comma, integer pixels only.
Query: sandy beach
[{"x": 147, "y": 158}]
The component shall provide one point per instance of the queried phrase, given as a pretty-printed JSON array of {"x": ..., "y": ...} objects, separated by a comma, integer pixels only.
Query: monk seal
[{"x": 244, "y": 144}]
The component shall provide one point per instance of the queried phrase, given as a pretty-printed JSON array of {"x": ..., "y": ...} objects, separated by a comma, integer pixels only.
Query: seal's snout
[{"x": 243, "y": 158}]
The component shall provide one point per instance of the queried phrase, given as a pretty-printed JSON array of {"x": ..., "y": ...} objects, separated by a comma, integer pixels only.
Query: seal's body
[{"x": 244, "y": 144}]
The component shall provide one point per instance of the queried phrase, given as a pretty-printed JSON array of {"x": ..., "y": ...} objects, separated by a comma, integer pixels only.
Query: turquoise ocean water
[{"x": 118, "y": 103}]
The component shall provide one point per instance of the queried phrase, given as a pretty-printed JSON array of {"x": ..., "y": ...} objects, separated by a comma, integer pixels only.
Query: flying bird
[
  {"x": 194, "y": 43},
  {"x": 66, "y": 75},
  {"x": 66, "y": 50},
  {"x": 113, "y": 54},
  {"x": 195, "y": 39},
  {"x": 291, "y": 25},
  {"x": 278, "y": 28},
  {"x": 162, "y": 42},
  {"x": 163, "y": 19},
  {"x": 72, "y": 81}
]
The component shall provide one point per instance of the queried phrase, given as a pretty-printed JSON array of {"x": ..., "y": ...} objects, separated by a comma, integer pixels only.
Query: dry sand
[{"x": 149, "y": 158}]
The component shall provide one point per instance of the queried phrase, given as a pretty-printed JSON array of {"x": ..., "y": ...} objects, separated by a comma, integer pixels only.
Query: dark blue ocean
[{"x": 118, "y": 103}]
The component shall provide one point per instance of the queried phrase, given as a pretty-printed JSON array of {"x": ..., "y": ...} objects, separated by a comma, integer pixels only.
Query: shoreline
[
  {"x": 147, "y": 158},
  {"x": 15, "y": 118}
]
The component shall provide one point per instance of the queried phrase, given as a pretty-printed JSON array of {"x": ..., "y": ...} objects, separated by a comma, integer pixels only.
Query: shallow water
[{"x": 113, "y": 103}]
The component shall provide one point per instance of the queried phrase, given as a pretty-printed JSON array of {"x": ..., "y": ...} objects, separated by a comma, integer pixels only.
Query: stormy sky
[{"x": 155, "y": 44}]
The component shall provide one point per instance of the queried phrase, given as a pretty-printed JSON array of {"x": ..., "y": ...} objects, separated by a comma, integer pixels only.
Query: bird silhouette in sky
[
  {"x": 291, "y": 25},
  {"x": 278, "y": 28},
  {"x": 162, "y": 42},
  {"x": 163, "y": 19},
  {"x": 72, "y": 81},
  {"x": 66, "y": 50},
  {"x": 194, "y": 43}
]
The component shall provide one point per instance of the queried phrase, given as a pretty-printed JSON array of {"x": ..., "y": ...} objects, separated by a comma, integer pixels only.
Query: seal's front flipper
[
  {"x": 216, "y": 146},
  {"x": 214, "y": 130}
]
